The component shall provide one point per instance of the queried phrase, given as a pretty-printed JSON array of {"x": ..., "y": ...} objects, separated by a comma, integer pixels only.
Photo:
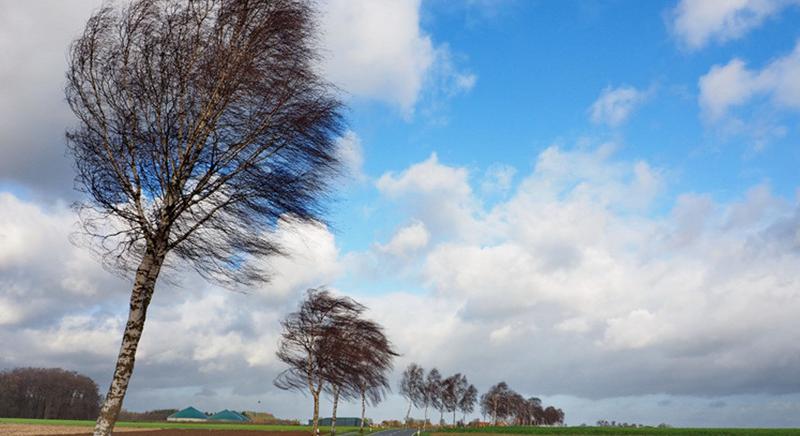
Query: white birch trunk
[
  {"x": 143, "y": 286},
  {"x": 363, "y": 410},
  {"x": 335, "y": 404}
]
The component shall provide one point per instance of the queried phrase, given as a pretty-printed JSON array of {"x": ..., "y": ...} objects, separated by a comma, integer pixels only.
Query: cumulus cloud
[
  {"x": 439, "y": 194},
  {"x": 407, "y": 240},
  {"x": 632, "y": 302},
  {"x": 697, "y": 22},
  {"x": 379, "y": 51},
  {"x": 727, "y": 86},
  {"x": 615, "y": 105}
]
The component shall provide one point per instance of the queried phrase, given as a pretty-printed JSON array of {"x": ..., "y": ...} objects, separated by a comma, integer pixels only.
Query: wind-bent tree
[
  {"x": 433, "y": 390},
  {"x": 411, "y": 386},
  {"x": 466, "y": 404},
  {"x": 362, "y": 358},
  {"x": 311, "y": 339},
  {"x": 201, "y": 124},
  {"x": 496, "y": 402},
  {"x": 453, "y": 389}
]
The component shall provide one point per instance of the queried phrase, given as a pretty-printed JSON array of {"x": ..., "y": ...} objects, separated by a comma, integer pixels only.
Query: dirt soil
[
  {"x": 60, "y": 430},
  {"x": 199, "y": 432},
  {"x": 51, "y": 430}
]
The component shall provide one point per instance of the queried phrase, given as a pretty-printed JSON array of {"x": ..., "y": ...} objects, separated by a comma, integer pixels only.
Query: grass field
[
  {"x": 187, "y": 425},
  {"x": 611, "y": 431}
]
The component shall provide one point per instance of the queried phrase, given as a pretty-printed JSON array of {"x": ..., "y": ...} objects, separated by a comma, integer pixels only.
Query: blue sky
[
  {"x": 595, "y": 202},
  {"x": 541, "y": 65}
]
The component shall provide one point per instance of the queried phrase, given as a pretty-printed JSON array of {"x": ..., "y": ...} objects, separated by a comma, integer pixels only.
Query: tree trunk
[
  {"x": 425, "y": 419},
  {"x": 143, "y": 286},
  {"x": 315, "y": 427},
  {"x": 454, "y": 417},
  {"x": 408, "y": 412},
  {"x": 335, "y": 404},
  {"x": 363, "y": 410}
]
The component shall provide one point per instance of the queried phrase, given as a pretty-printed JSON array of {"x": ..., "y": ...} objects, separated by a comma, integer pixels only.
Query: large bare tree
[{"x": 201, "y": 124}]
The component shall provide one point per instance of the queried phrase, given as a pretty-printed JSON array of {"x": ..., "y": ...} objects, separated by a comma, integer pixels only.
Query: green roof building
[
  {"x": 230, "y": 416},
  {"x": 189, "y": 414}
]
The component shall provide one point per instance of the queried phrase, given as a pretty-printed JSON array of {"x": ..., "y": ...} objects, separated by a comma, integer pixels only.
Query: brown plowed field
[{"x": 54, "y": 430}]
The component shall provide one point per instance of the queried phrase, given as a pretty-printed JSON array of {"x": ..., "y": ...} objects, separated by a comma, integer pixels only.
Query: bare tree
[
  {"x": 201, "y": 124},
  {"x": 411, "y": 385},
  {"x": 466, "y": 404},
  {"x": 310, "y": 340},
  {"x": 496, "y": 402},
  {"x": 363, "y": 357},
  {"x": 453, "y": 388},
  {"x": 47, "y": 393},
  {"x": 433, "y": 389}
]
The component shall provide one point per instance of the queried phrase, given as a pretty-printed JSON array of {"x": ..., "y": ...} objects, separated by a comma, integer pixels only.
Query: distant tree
[
  {"x": 47, "y": 393},
  {"x": 201, "y": 124},
  {"x": 466, "y": 404},
  {"x": 453, "y": 389},
  {"x": 433, "y": 389},
  {"x": 496, "y": 402},
  {"x": 310, "y": 341},
  {"x": 364, "y": 357},
  {"x": 553, "y": 416},
  {"x": 412, "y": 386}
]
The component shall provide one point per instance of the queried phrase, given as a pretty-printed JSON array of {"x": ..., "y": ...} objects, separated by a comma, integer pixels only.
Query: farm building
[
  {"x": 189, "y": 414},
  {"x": 229, "y": 416},
  {"x": 345, "y": 422}
]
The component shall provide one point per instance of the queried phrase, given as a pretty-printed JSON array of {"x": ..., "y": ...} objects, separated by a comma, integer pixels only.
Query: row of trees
[
  {"x": 451, "y": 394},
  {"x": 331, "y": 348},
  {"x": 503, "y": 404},
  {"x": 47, "y": 393}
]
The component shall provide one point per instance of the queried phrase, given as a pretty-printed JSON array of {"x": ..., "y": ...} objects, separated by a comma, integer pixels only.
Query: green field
[
  {"x": 610, "y": 431},
  {"x": 197, "y": 425}
]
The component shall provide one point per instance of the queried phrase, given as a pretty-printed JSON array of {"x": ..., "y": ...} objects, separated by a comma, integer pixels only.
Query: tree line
[
  {"x": 445, "y": 395},
  {"x": 47, "y": 393},
  {"x": 331, "y": 348},
  {"x": 504, "y": 405},
  {"x": 455, "y": 393}
]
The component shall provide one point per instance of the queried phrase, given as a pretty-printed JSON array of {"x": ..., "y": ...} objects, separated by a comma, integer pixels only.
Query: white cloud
[
  {"x": 439, "y": 194},
  {"x": 733, "y": 85},
  {"x": 577, "y": 250},
  {"x": 615, "y": 105},
  {"x": 501, "y": 334},
  {"x": 637, "y": 329},
  {"x": 407, "y": 240},
  {"x": 378, "y": 50},
  {"x": 697, "y": 22}
]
